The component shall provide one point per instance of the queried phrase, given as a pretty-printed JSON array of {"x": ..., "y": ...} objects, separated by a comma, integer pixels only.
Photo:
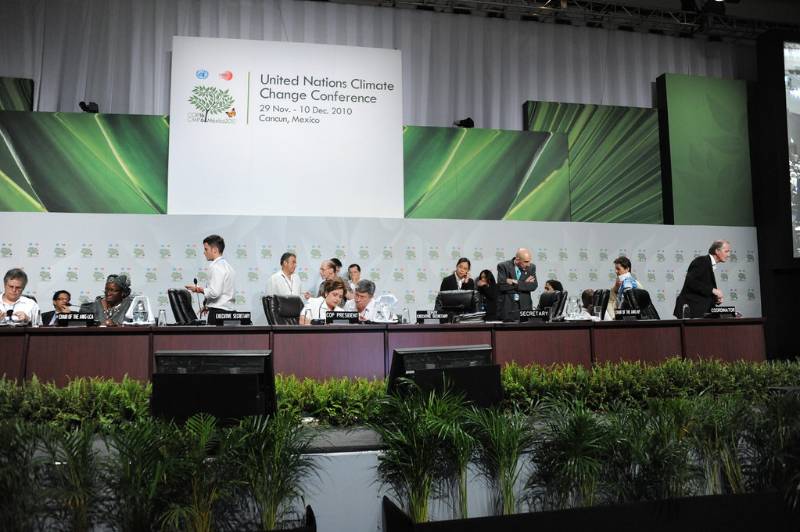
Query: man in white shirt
[
  {"x": 285, "y": 282},
  {"x": 364, "y": 300},
  {"x": 219, "y": 290},
  {"x": 15, "y": 307}
]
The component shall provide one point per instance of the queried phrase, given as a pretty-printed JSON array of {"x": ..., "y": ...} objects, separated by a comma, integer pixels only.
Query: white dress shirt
[
  {"x": 282, "y": 285},
  {"x": 219, "y": 290},
  {"x": 23, "y": 304},
  {"x": 367, "y": 314},
  {"x": 319, "y": 309}
]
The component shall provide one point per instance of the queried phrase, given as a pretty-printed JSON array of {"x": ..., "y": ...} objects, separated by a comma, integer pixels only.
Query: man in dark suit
[
  {"x": 516, "y": 279},
  {"x": 459, "y": 279},
  {"x": 61, "y": 304},
  {"x": 700, "y": 290}
]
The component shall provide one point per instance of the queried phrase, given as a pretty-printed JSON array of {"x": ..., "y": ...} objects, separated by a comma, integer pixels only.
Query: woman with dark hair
[
  {"x": 551, "y": 285},
  {"x": 316, "y": 308},
  {"x": 459, "y": 279},
  {"x": 487, "y": 287},
  {"x": 110, "y": 308}
]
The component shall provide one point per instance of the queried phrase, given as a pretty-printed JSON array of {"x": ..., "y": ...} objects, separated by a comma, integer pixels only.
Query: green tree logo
[{"x": 210, "y": 100}]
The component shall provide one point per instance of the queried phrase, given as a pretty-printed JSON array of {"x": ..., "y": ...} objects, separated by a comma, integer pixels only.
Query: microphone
[
  {"x": 9, "y": 314},
  {"x": 197, "y": 297}
]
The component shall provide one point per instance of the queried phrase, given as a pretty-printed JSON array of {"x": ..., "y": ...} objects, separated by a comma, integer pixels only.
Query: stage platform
[{"x": 321, "y": 352}]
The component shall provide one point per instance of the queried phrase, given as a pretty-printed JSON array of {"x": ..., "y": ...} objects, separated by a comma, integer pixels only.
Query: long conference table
[{"x": 58, "y": 354}]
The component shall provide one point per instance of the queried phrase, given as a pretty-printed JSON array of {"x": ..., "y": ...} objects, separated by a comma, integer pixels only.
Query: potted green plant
[
  {"x": 67, "y": 471},
  {"x": 271, "y": 461},
  {"x": 19, "y": 506},
  {"x": 502, "y": 440},
  {"x": 570, "y": 453},
  {"x": 198, "y": 476},
  {"x": 133, "y": 473}
]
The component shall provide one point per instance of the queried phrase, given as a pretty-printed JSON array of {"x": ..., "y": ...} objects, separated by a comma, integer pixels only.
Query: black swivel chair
[
  {"x": 285, "y": 310},
  {"x": 547, "y": 300},
  {"x": 266, "y": 302},
  {"x": 180, "y": 301},
  {"x": 639, "y": 299},
  {"x": 600, "y": 299}
]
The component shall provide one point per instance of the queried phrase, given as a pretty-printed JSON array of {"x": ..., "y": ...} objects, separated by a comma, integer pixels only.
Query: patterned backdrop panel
[
  {"x": 614, "y": 159},
  {"x": 405, "y": 257}
]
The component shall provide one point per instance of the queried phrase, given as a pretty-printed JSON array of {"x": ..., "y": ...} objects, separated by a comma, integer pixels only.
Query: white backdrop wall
[
  {"x": 117, "y": 53},
  {"x": 405, "y": 257}
]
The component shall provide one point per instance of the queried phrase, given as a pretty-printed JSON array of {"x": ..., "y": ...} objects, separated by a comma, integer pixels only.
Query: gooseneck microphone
[{"x": 197, "y": 296}]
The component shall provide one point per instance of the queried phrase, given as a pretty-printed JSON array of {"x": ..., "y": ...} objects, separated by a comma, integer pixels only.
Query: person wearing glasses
[
  {"x": 61, "y": 304},
  {"x": 15, "y": 307}
]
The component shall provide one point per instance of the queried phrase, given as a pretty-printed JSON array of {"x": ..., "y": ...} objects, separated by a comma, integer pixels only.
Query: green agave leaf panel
[
  {"x": 614, "y": 159},
  {"x": 485, "y": 174},
  {"x": 16, "y": 94},
  {"x": 78, "y": 162}
]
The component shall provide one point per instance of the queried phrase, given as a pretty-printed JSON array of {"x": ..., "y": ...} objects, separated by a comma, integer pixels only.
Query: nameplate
[
  {"x": 628, "y": 314},
  {"x": 341, "y": 316},
  {"x": 76, "y": 319},
  {"x": 534, "y": 313},
  {"x": 239, "y": 316},
  {"x": 233, "y": 318},
  {"x": 430, "y": 316},
  {"x": 722, "y": 312},
  {"x": 76, "y": 316}
]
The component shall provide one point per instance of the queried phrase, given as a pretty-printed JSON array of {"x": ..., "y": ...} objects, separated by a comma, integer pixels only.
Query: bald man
[{"x": 516, "y": 279}]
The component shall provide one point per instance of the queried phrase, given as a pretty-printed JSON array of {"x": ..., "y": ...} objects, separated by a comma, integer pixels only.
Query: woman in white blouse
[{"x": 317, "y": 307}]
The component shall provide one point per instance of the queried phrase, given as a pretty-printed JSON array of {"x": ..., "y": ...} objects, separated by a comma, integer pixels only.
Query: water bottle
[
  {"x": 139, "y": 313},
  {"x": 686, "y": 312}
]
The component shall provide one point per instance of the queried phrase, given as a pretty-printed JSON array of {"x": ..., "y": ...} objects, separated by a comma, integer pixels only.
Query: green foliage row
[
  {"x": 562, "y": 454},
  {"x": 351, "y": 402},
  {"x": 151, "y": 475}
]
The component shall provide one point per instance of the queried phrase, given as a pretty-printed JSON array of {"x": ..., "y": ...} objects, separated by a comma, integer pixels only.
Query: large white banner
[
  {"x": 262, "y": 127},
  {"x": 405, "y": 257}
]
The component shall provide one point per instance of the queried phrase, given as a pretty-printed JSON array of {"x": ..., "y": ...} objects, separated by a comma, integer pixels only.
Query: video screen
[{"x": 791, "y": 66}]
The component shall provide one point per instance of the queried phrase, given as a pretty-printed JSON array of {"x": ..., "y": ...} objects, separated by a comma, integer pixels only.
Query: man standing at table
[
  {"x": 700, "y": 290},
  {"x": 285, "y": 282},
  {"x": 516, "y": 279},
  {"x": 219, "y": 290}
]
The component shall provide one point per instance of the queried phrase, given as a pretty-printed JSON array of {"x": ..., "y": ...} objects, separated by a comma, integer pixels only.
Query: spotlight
[
  {"x": 90, "y": 107},
  {"x": 466, "y": 123}
]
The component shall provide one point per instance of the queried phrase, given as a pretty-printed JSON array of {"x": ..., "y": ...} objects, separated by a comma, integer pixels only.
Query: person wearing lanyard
[
  {"x": 317, "y": 308},
  {"x": 220, "y": 289},
  {"x": 285, "y": 282},
  {"x": 516, "y": 279},
  {"x": 15, "y": 307}
]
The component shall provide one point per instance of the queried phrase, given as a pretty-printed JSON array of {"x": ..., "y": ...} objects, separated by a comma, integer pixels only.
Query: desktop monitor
[
  {"x": 466, "y": 369},
  {"x": 226, "y": 384}
]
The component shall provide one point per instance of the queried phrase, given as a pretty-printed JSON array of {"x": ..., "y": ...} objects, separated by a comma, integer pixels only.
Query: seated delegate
[
  {"x": 110, "y": 308},
  {"x": 363, "y": 300},
  {"x": 317, "y": 308},
  {"x": 13, "y": 305},
  {"x": 61, "y": 304},
  {"x": 487, "y": 287}
]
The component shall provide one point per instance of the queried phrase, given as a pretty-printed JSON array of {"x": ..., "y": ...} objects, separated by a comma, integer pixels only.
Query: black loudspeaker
[
  {"x": 229, "y": 385},
  {"x": 465, "y": 369}
]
